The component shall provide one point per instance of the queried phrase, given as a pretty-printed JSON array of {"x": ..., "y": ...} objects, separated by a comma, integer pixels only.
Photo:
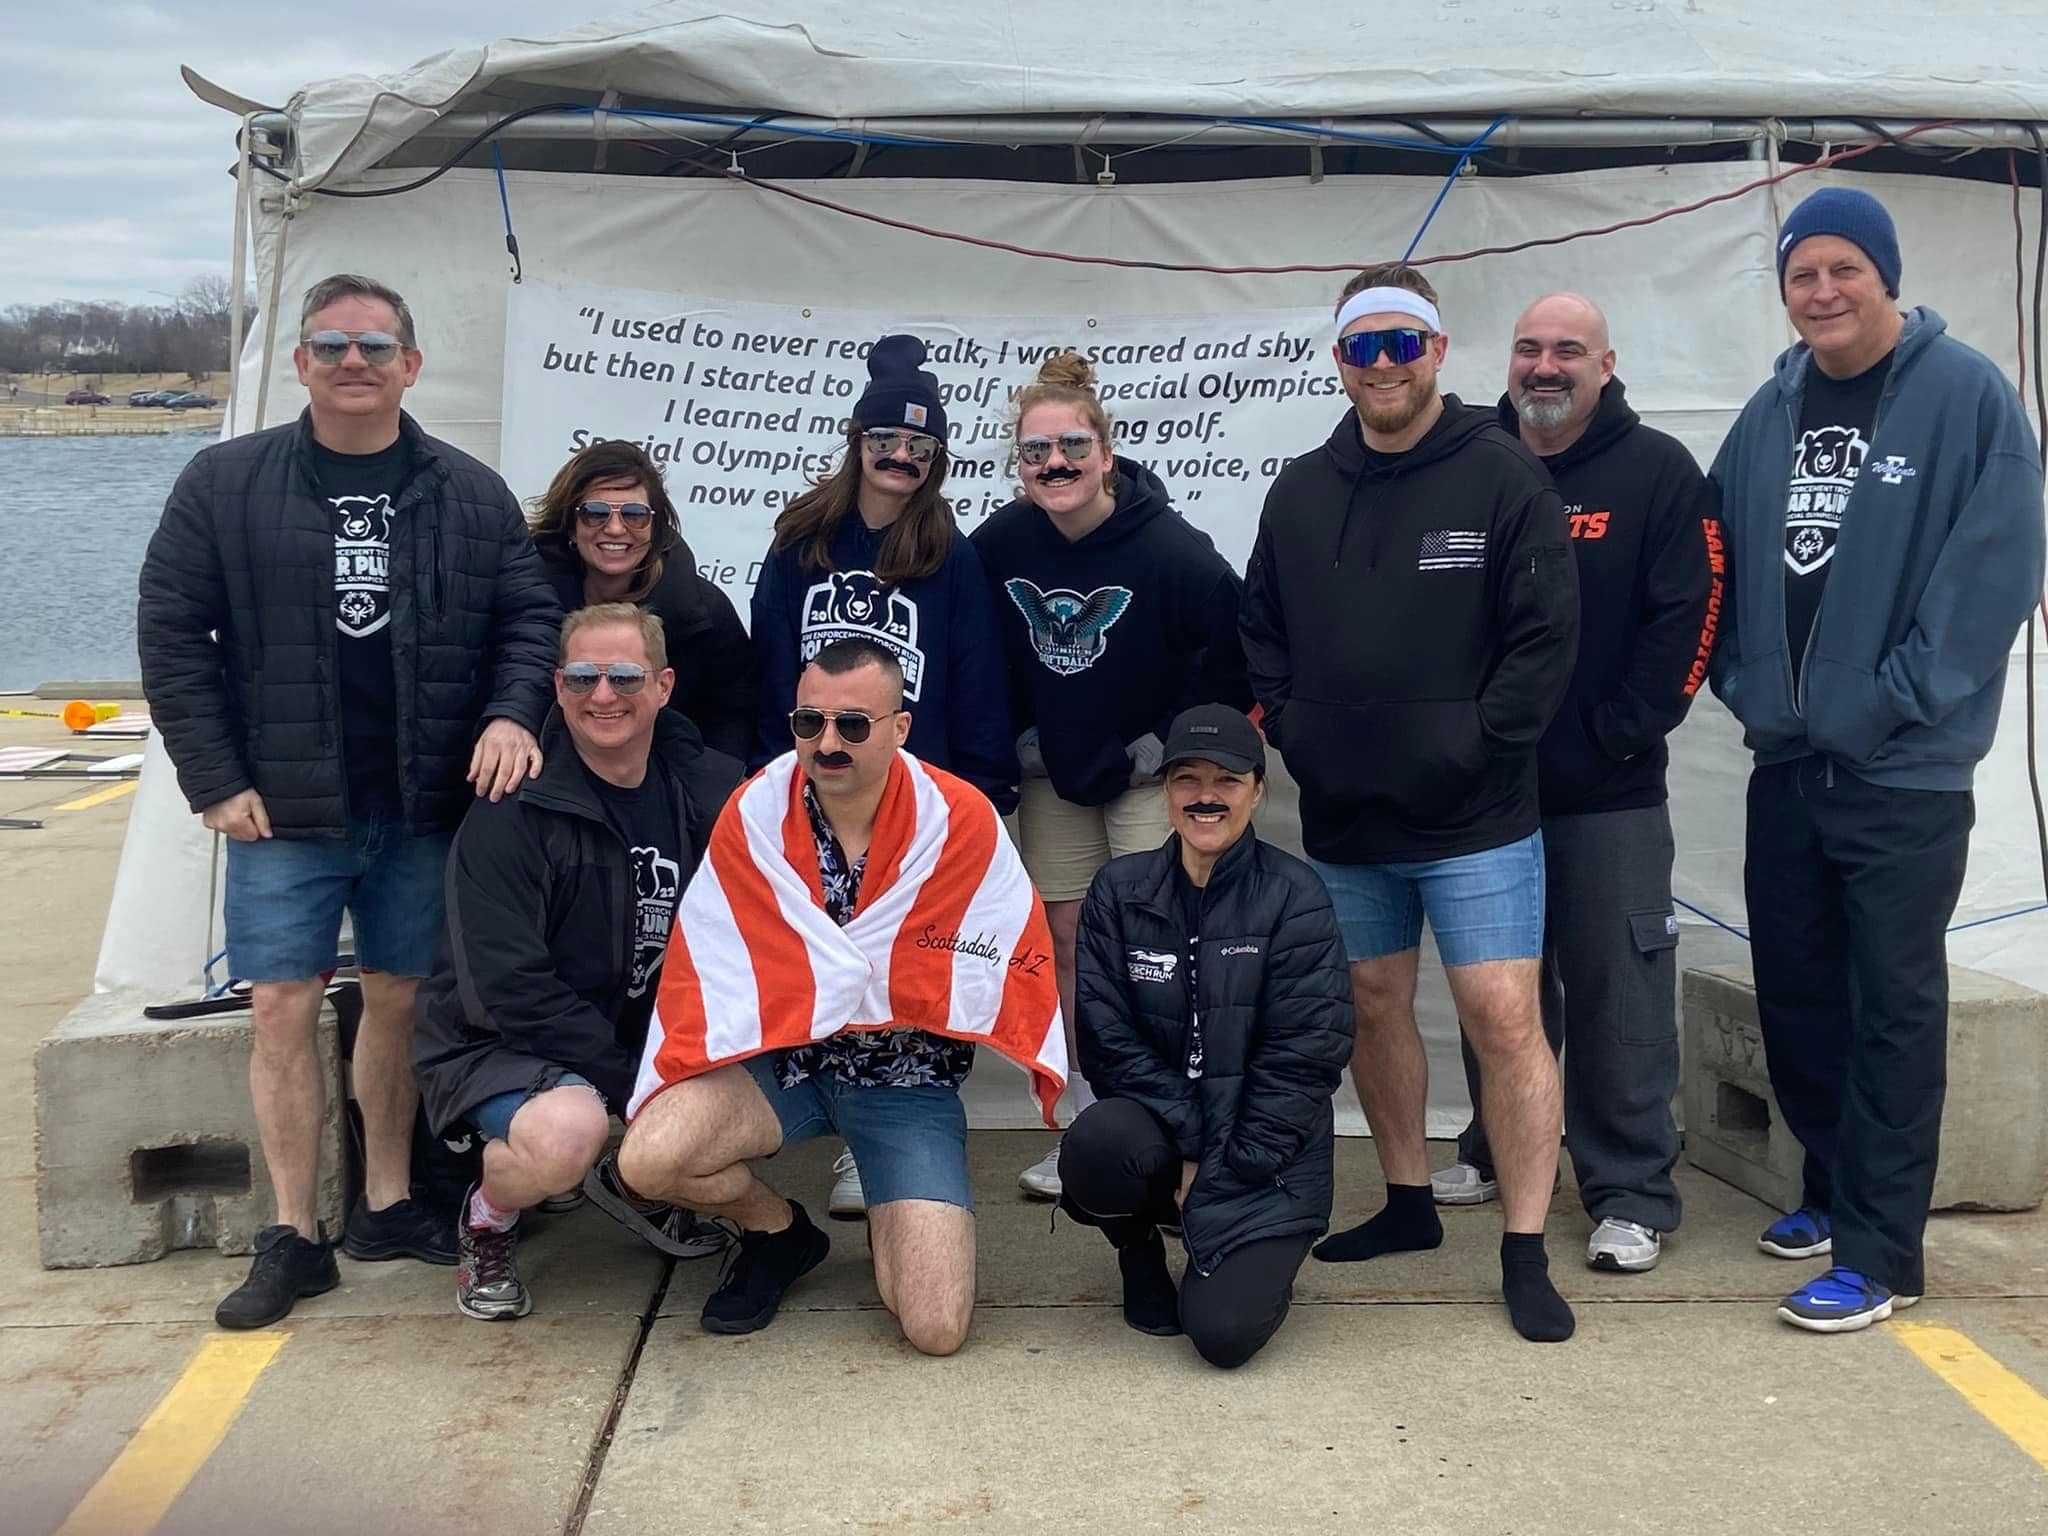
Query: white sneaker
[
  {"x": 1041, "y": 1180},
  {"x": 1624, "y": 1245},
  {"x": 1462, "y": 1184},
  {"x": 848, "y": 1199}
]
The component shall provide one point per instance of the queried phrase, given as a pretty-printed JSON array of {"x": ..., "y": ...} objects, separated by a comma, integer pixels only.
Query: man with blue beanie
[{"x": 1886, "y": 469}]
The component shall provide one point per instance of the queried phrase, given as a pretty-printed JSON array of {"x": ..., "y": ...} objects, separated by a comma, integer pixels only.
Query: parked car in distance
[
  {"x": 191, "y": 402},
  {"x": 151, "y": 396},
  {"x": 85, "y": 397}
]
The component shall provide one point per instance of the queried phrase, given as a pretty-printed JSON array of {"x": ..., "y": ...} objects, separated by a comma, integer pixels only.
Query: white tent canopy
[
  {"x": 1693, "y": 301},
  {"x": 1260, "y": 58}
]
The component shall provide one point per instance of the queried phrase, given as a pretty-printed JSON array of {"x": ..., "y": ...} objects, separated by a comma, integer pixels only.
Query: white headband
[{"x": 1388, "y": 301}]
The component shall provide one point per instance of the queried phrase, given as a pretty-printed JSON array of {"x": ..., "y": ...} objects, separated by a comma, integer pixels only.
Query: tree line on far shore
[{"x": 189, "y": 336}]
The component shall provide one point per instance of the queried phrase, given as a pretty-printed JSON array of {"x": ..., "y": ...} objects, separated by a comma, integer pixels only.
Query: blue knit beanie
[
  {"x": 1857, "y": 217},
  {"x": 900, "y": 393}
]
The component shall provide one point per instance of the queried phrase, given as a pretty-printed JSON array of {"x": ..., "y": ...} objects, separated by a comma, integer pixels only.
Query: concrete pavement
[{"x": 1396, "y": 1398}]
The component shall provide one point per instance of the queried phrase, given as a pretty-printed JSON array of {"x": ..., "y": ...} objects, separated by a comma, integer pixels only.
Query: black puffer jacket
[
  {"x": 707, "y": 643},
  {"x": 1246, "y": 1096},
  {"x": 236, "y": 629},
  {"x": 531, "y": 970}
]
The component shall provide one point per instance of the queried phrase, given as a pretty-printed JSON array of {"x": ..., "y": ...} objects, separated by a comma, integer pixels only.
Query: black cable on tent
[{"x": 2041, "y": 417}]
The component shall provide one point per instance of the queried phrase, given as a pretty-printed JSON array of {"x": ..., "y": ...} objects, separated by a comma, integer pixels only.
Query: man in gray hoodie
[{"x": 1886, "y": 469}]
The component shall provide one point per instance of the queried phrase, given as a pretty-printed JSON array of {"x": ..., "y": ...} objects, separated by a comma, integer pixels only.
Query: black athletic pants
[
  {"x": 1119, "y": 1171},
  {"x": 1851, "y": 887}
]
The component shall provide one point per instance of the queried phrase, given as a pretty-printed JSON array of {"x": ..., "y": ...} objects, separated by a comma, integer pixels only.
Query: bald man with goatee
[{"x": 1648, "y": 551}]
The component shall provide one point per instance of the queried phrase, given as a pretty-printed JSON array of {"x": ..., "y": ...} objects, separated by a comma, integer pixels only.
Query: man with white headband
[{"x": 1422, "y": 557}]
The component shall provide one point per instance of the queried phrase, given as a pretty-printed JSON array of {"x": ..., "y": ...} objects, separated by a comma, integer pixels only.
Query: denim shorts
[
  {"x": 910, "y": 1143},
  {"x": 1481, "y": 906},
  {"x": 285, "y": 897},
  {"x": 493, "y": 1117}
]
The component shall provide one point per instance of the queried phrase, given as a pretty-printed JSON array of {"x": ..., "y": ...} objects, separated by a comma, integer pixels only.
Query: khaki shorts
[{"x": 1063, "y": 844}]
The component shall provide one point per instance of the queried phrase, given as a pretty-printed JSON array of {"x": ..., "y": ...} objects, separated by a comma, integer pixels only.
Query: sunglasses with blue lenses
[{"x": 1361, "y": 349}]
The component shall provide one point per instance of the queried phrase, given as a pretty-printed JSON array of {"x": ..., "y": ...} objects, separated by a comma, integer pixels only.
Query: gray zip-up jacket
[{"x": 1937, "y": 564}]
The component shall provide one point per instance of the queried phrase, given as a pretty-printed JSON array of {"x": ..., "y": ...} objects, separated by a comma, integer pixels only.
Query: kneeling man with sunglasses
[
  {"x": 560, "y": 898},
  {"x": 860, "y": 924}
]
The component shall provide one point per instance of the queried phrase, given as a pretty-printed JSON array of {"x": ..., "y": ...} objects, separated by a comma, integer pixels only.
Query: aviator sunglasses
[
  {"x": 330, "y": 347},
  {"x": 1074, "y": 447},
  {"x": 882, "y": 442},
  {"x": 595, "y": 514},
  {"x": 852, "y": 725},
  {"x": 626, "y": 677},
  {"x": 1361, "y": 349}
]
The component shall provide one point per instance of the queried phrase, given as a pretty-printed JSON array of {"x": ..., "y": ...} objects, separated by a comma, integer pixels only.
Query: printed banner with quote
[{"x": 744, "y": 404}]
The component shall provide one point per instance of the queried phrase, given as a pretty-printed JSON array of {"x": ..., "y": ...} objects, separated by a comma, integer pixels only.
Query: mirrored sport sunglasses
[
  {"x": 330, "y": 347},
  {"x": 595, "y": 514},
  {"x": 882, "y": 441},
  {"x": 852, "y": 725},
  {"x": 626, "y": 677},
  {"x": 1404, "y": 344},
  {"x": 1074, "y": 447}
]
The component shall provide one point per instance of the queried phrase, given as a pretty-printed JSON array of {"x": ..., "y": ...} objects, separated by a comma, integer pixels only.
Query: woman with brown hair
[
  {"x": 1117, "y": 614},
  {"x": 872, "y": 552},
  {"x": 608, "y": 533}
]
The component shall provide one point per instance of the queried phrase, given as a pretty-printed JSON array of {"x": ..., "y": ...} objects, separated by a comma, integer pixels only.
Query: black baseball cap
[{"x": 1216, "y": 733}]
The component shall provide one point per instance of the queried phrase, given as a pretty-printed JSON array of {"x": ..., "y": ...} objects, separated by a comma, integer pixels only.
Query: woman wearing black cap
[
  {"x": 608, "y": 533},
  {"x": 872, "y": 551},
  {"x": 1214, "y": 1022}
]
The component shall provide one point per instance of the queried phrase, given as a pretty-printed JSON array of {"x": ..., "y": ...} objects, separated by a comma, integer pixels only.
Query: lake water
[{"x": 80, "y": 511}]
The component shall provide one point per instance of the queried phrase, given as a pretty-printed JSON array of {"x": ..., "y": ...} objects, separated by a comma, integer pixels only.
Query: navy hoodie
[
  {"x": 1410, "y": 624},
  {"x": 940, "y": 627},
  {"x": 1641, "y": 514},
  {"x": 1113, "y": 634}
]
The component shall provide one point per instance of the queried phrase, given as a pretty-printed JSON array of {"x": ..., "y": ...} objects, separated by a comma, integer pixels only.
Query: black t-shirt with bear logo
[
  {"x": 360, "y": 490},
  {"x": 647, "y": 820},
  {"x": 1836, "y": 419}
]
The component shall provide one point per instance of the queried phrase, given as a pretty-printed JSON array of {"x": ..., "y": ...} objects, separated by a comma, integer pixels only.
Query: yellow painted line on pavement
[
  {"x": 2019, "y": 1412},
  {"x": 100, "y": 796},
  {"x": 180, "y": 1433}
]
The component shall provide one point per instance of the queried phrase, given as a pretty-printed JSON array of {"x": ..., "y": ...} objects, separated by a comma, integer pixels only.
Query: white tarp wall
[{"x": 1693, "y": 304}]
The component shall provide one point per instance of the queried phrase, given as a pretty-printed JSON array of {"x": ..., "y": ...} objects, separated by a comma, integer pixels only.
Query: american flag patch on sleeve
[{"x": 1452, "y": 549}]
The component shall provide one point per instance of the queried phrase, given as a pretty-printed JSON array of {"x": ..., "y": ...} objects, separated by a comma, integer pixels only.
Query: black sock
[
  {"x": 1539, "y": 1312},
  {"x": 1151, "y": 1300},
  {"x": 1408, "y": 1224}
]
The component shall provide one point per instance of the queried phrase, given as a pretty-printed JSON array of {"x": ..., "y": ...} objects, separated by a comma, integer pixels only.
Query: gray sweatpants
[{"x": 1610, "y": 972}]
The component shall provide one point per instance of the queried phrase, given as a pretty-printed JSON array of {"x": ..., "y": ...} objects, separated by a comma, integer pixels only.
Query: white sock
[
  {"x": 486, "y": 1217},
  {"x": 1078, "y": 1097}
]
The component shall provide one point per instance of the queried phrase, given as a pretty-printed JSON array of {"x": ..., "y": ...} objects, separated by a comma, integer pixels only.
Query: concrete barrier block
[
  {"x": 1994, "y": 1133},
  {"x": 146, "y": 1141}
]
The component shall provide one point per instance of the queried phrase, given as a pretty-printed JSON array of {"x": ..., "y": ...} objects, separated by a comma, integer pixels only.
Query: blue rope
[
  {"x": 1976, "y": 922},
  {"x": 1313, "y": 130},
  {"x": 1444, "y": 191},
  {"x": 837, "y": 135},
  {"x": 505, "y": 202}
]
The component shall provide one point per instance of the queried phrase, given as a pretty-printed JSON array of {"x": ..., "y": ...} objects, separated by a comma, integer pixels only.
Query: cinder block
[
  {"x": 1994, "y": 1135},
  {"x": 146, "y": 1141}
]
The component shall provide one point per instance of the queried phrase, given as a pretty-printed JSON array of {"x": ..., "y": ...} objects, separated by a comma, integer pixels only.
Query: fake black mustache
[
  {"x": 832, "y": 759},
  {"x": 1205, "y": 808},
  {"x": 1057, "y": 476},
  {"x": 1548, "y": 381},
  {"x": 901, "y": 467}
]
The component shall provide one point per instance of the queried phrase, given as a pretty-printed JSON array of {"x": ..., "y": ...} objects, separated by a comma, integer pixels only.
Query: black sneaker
[
  {"x": 287, "y": 1266},
  {"x": 487, "y": 1283},
  {"x": 672, "y": 1230},
  {"x": 407, "y": 1230},
  {"x": 760, "y": 1272}
]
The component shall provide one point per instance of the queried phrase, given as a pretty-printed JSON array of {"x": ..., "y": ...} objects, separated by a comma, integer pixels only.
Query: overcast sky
[{"x": 115, "y": 180}]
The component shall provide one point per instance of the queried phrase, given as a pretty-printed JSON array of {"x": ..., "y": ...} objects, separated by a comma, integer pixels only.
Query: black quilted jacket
[
  {"x": 236, "y": 629},
  {"x": 1246, "y": 1095}
]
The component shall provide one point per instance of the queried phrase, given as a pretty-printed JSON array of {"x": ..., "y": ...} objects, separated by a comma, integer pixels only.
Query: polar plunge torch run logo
[{"x": 362, "y": 563}]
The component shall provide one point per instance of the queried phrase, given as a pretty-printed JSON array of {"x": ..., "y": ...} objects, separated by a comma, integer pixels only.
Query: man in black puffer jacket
[
  {"x": 1213, "y": 1022},
  {"x": 560, "y": 898},
  {"x": 340, "y": 619}
]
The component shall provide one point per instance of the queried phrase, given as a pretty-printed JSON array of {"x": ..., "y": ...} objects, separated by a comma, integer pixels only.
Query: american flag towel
[{"x": 949, "y": 936}]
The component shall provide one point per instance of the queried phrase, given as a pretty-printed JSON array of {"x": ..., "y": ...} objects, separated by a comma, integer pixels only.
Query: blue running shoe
[
  {"x": 1805, "y": 1234},
  {"x": 1840, "y": 1301}
]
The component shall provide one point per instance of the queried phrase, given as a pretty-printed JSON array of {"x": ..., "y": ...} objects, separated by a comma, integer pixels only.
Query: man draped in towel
[{"x": 860, "y": 922}]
